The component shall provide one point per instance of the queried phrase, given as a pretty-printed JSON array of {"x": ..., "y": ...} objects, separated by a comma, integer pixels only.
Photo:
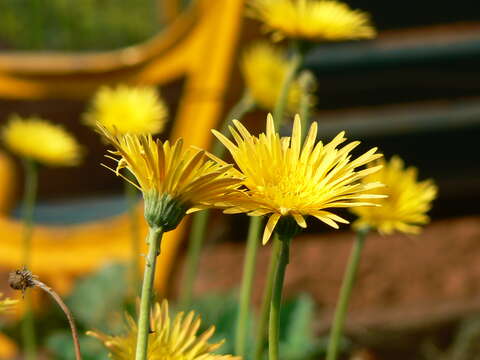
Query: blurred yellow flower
[
  {"x": 316, "y": 20},
  {"x": 285, "y": 179},
  {"x": 169, "y": 340},
  {"x": 8, "y": 348},
  {"x": 6, "y": 304},
  {"x": 41, "y": 141},
  {"x": 174, "y": 180},
  {"x": 264, "y": 68},
  {"x": 128, "y": 109},
  {"x": 408, "y": 200}
]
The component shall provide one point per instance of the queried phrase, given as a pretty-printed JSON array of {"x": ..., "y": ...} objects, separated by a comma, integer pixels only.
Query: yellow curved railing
[{"x": 200, "y": 46}]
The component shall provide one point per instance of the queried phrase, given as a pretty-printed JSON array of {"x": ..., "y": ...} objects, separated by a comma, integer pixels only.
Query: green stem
[
  {"x": 66, "y": 311},
  {"x": 344, "y": 297},
  {"x": 238, "y": 111},
  {"x": 261, "y": 332},
  {"x": 247, "y": 284},
  {"x": 28, "y": 330},
  {"x": 197, "y": 234},
  {"x": 307, "y": 84},
  {"x": 295, "y": 63},
  {"x": 132, "y": 200},
  {"x": 274, "y": 322},
  {"x": 154, "y": 239},
  {"x": 28, "y": 208},
  {"x": 200, "y": 219}
]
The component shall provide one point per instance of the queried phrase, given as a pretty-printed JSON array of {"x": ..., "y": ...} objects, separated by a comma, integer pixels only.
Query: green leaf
[
  {"x": 97, "y": 300},
  {"x": 219, "y": 310},
  {"x": 61, "y": 345},
  {"x": 296, "y": 336},
  {"x": 297, "y": 341}
]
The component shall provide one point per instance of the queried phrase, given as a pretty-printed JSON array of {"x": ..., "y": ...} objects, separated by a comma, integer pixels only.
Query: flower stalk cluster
[
  {"x": 129, "y": 110},
  {"x": 174, "y": 181},
  {"x": 290, "y": 181},
  {"x": 287, "y": 180}
]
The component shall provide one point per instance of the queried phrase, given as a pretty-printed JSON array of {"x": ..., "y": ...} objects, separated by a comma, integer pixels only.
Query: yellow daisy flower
[
  {"x": 169, "y": 340},
  {"x": 316, "y": 20},
  {"x": 174, "y": 180},
  {"x": 284, "y": 179},
  {"x": 408, "y": 200},
  {"x": 6, "y": 304},
  {"x": 128, "y": 109},
  {"x": 41, "y": 141},
  {"x": 264, "y": 68}
]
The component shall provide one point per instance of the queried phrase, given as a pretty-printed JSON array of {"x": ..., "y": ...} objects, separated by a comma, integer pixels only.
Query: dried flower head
[
  {"x": 264, "y": 68},
  {"x": 21, "y": 279},
  {"x": 284, "y": 179},
  {"x": 174, "y": 180},
  {"x": 408, "y": 200},
  {"x": 169, "y": 340},
  {"x": 41, "y": 141},
  {"x": 128, "y": 109},
  {"x": 315, "y": 20}
]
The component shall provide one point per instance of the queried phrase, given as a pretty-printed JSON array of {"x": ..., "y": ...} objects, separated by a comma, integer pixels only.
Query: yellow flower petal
[
  {"x": 284, "y": 178},
  {"x": 271, "y": 223},
  {"x": 128, "y": 109},
  {"x": 405, "y": 199},
  {"x": 315, "y": 20},
  {"x": 300, "y": 220},
  {"x": 6, "y": 304},
  {"x": 264, "y": 68},
  {"x": 327, "y": 220},
  {"x": 44, "y": 142},
  {"x": 185, "y": 175},
  {"x": 172, "y": 340}
]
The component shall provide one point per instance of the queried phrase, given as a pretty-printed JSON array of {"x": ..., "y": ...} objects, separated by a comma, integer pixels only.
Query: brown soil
[{"x": 404, "y": 282}]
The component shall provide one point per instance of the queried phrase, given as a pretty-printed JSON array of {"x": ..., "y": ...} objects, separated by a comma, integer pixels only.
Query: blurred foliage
[
  {"x": 98, "y": 302},
  {"x": 219, "y": 310},
  {"x": 76, "y": 25},
  {"x": 297, "y": 339},
  {"x": 465, "y": 345},
  {"x": 60, "y": 344},
  {"x": 467, "y": 342}
]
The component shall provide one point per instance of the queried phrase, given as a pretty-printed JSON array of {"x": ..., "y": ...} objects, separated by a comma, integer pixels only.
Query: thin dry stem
[
  {"x": 23, "y": 279},
  {"x": 67, "y": 312}
]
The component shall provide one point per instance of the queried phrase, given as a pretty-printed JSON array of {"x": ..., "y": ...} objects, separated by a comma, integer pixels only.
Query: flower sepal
[
  {"x": 287, "y": 228},
  {"x": 363, "y": 229},
  {"x": 162, "y": 210}
]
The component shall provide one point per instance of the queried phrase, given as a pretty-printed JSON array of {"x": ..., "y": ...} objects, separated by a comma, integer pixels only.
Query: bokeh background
[{"x": 414, "y": 91}]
